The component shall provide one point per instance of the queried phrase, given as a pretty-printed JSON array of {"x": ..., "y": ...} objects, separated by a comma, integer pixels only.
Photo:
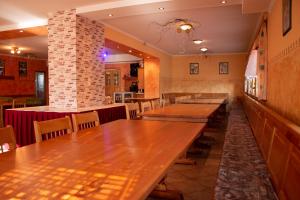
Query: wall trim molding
[
  {"x": 286, "y": 51},
  {"x": 211, "y": 54}
]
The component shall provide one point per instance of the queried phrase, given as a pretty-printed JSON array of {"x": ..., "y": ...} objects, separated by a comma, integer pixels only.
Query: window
[
  {"x": 2, "y": 67},
  {"x": 256, "y": 71},
  {"x": 22, "y": 68},
  {"x": 251, "y": 75}
]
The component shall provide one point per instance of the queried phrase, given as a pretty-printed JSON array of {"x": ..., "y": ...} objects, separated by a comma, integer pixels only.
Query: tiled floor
[{"x": 197, "y": 182}]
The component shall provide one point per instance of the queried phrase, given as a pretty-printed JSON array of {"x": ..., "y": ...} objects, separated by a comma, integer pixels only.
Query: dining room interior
[{"x": 152, "y": 99}]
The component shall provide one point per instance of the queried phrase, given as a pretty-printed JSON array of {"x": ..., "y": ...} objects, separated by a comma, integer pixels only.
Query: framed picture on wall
[
  {"x": 194, "y": 68},
  {"x": 2, "y": 67},
  {"x": 22, "y": 68},
  {"x": 286, "y": 16},
  {"x": 223, "y": 68}
]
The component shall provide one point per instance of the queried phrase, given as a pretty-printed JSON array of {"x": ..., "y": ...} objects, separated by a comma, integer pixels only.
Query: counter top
[{"x": 62, "y": 110}]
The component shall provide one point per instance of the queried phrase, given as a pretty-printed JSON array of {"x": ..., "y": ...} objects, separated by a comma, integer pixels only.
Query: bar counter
[{"x": 22, "y": 118}]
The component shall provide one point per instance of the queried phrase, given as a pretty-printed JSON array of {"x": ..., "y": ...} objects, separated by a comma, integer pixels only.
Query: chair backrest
[
  {"x": 86, "y": 120},
  {"x": 146, "y": 106},
  {"x": 49, "y": 129},
  {"x": 155, "y": 104},
  {"x": 19, "y": 103},
  {"x": 132, "y": 110},
  {"x": 178, "y": 99},
  {"x": 7, "y": 136},
  {"x": 165, "y": 102}
]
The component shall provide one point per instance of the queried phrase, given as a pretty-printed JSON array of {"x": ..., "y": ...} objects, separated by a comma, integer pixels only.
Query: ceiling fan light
[
  {"x": 12, "y": 51},
  {"x": 186, "y": 27},
  {"x": 18, "y": 51}
]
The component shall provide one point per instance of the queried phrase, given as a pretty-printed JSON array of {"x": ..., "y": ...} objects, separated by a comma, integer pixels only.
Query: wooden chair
[
  {"x": 50, "y": 129},
  {"x": 165, "y": 102},
  {"x": 83, "y": 121},
  {"x": 7, "y": 136},
  {"x": 132, "y": 110},
  {"x": 19, "y": 103},
  {"x": 146, "y": 106},
  {"x": 155, "y": 104},
  {"x": 178, "y": 99}
]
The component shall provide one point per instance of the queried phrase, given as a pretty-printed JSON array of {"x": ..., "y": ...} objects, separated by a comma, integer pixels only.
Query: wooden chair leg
[{"x": 167, "y": 195}]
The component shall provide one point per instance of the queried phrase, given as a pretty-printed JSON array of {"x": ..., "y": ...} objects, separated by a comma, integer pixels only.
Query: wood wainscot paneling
[{"x": 279, "y": 142}]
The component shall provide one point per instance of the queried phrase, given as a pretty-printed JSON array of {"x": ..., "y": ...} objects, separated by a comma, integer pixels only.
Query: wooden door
[{"x": 112, "y": 81}]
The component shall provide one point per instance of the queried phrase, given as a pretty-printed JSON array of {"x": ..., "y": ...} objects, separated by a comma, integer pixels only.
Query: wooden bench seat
[{"x": 243, "y": 172}]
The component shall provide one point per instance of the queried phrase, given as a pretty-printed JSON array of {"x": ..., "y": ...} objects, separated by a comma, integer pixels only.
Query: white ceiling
[{"x": 225, "y": 28}]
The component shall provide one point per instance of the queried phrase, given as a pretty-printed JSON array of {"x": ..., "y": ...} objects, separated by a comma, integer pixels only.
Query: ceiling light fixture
[
  {"x": 110, "y": 15},
  {"x": 14, "y": 50},
  {"x": 130, "y": 51},
  {"x": 185, "y": 27},
  {"x": 204, "y": 49},
  {"x": 197, "y": 41},
  {"x": 224, "y": 1},
  {"x": 161, "y": 8},
  {"x": 21, "y": 31}
]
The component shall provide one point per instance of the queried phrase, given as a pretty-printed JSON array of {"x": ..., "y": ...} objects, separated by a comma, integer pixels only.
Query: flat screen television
[{"x": 134, "y": 69}]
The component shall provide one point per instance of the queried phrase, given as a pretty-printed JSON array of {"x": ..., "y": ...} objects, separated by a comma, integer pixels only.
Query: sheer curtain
[{"x": 256, "y": 71}]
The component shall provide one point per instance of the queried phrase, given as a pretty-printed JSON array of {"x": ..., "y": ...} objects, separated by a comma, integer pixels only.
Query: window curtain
[{"x": 256, "y": 71}]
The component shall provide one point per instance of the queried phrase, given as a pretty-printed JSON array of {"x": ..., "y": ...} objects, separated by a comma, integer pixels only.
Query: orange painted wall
[
  {"x": 209, "y": 79},
  {"x": 151, "y": 72},
  {"x": 21, "y": 86},
  {"x": 284, "y": 63}
]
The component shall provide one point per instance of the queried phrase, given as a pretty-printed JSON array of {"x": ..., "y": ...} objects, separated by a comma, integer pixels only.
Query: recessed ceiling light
[
  {"x": 161, "y": 8},
  {"x": 110, "y": 15},
  {"x": 197, "y": 41},
  {"x": 130, "y": 51},
  {"x": 204, "y": 49},
  {"x": 21, "y": 31},
  {"x": 224, "y": 1}
]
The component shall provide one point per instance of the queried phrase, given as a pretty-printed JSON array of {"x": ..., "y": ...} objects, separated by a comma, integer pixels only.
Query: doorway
[{"x": 40, "y": 86}]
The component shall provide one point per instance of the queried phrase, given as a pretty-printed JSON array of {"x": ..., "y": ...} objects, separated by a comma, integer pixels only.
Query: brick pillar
[{"x": 76, "y": 69}]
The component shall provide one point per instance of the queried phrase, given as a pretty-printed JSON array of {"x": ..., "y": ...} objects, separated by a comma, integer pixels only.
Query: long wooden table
[
  {"x": 182, "y": 112},
  {"x": 124, "y": 159}
]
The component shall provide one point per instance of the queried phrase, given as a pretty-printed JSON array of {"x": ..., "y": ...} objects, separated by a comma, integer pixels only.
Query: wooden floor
[{"x": 198, "y": 181}]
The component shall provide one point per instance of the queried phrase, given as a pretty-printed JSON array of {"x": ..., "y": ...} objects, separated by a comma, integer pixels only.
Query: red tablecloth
[{"x": 22, "y": 121}]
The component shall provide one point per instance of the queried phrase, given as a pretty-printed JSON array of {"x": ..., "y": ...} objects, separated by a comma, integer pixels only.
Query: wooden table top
[
  {"x": 183, "y": 112},
  {"x": 121, "y": 160},
  {"x": 202, "y": 101},
  {"x": 141, "y": 99}
]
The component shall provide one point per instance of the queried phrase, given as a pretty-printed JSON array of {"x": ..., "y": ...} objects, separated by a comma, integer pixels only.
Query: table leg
[{"x": 184, "y": 160}]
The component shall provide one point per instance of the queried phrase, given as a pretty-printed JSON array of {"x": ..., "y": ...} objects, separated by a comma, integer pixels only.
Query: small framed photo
[
  {"x": 194, "y": 68},
  {"x": 223, "y": 68},
  {"x": 286, "y": 16},
  {"x": 22, "y": 68}
]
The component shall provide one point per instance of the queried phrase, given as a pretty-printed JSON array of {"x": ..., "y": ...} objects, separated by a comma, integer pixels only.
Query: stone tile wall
[{"x": 76, "y": 70}]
